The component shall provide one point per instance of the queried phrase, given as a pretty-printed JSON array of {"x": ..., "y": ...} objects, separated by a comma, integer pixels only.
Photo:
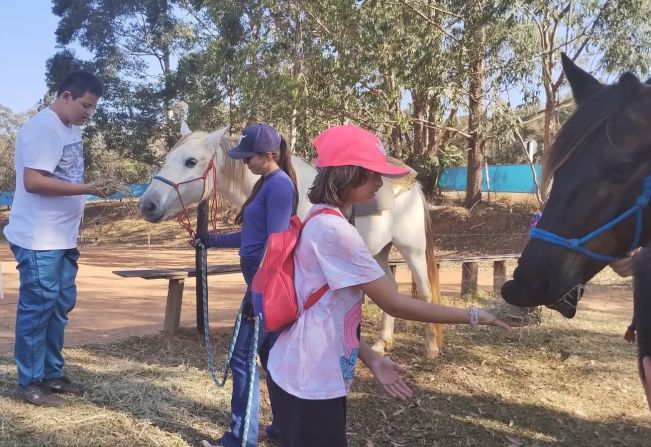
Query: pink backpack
[{"x": 272, "y": 290}]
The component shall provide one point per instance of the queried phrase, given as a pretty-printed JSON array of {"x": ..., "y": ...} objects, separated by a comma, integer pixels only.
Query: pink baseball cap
[{"x": 350, "y": 145}]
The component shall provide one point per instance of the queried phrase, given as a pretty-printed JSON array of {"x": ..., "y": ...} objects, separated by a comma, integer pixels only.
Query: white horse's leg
[
  {"x": 385, "y": 343},
  {"x": 376, "y": 231},
  {"x": 417, "y": 263},
  {"x": 412, "y": 245}
]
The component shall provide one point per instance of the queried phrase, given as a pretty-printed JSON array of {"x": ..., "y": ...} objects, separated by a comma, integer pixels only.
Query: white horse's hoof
[
  {"x": 432, "y": 353},
  {"x": 378, "y": 347}
]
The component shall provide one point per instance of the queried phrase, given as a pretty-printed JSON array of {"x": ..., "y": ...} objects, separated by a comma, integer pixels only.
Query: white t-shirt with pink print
[{"x": 315, "y": 357}]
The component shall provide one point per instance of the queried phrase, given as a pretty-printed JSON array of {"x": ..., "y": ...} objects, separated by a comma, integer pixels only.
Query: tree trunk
[
  {"x": 433, "y": 141},
  {"x": 547, "y": 40},
  {"x": 475, "y": 113},
  {"x": 419, "y": 125}
]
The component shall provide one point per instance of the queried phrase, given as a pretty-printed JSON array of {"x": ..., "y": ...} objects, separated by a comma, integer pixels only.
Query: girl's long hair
[{"x": 284, "y": 160}]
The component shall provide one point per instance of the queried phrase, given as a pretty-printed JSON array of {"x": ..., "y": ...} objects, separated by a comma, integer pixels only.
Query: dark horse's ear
[
  {"x": 583, "y": 84},
  {"x": 631, "y": 85}
]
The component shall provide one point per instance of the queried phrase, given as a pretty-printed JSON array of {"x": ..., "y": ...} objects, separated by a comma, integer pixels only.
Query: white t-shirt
[
  {"x": 315, "y": 357},
  {"x": 38, "y": 222}
]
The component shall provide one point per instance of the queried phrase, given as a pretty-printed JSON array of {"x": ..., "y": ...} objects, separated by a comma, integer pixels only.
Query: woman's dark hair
[
  {"x": 284, "y": 159},
  {"x": 333, "y": 184}
]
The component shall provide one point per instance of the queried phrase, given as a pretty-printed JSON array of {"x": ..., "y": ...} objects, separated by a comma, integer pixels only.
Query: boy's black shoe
[
  {"x": 63, "y": 385},
  {"x": 38, "y": 394}
]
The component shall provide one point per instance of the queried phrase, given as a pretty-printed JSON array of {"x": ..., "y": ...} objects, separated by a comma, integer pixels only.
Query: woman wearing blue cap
[{"x": 268, "y": 210}]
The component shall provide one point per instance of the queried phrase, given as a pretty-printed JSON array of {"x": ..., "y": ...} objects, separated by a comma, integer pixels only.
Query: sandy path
[{"x": 110, "y": 307}]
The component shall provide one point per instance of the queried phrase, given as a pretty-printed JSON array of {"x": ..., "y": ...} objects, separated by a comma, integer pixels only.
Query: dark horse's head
[{"x": 594, "y": 174}]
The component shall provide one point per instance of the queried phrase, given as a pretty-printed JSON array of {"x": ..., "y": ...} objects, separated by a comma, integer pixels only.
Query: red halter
[{"x": 182, "y": 216}]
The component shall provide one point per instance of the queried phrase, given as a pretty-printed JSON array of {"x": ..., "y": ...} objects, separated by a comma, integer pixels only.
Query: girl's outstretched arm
[{"x": 384, "y": 293}]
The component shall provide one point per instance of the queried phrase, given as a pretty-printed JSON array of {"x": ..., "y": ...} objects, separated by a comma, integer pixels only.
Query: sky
[{"x": 26, "y": 42}]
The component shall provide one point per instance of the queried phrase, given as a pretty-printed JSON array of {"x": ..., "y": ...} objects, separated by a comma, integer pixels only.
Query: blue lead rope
[
  {"x": 231, "y": 347},
  {"x": 577, "y": 244}
]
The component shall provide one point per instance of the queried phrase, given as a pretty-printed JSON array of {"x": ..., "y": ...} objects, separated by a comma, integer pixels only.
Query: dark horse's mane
[{"x": 591, "y": 114}]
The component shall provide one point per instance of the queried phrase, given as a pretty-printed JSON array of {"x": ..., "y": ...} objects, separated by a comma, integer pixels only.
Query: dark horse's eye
[
  {"x": 622, "y": 171},
  {"x": 190, "y": 162}
]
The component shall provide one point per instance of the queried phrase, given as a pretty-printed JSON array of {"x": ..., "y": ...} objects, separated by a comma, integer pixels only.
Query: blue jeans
[
  {"x": 241, "y": 362},
  {"x": 47, "y": 292}
]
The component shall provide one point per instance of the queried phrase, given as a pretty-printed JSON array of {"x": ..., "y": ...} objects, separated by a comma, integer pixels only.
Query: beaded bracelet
[{"x": 474, "y": 316}]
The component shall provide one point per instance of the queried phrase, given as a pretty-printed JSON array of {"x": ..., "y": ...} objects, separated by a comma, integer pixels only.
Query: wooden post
[
  {"x": 499, "y": 275},
  {"x": 202, "y": 228},
  {"x": 174, "y": 302},
  {"x": 469, "y": 273}
]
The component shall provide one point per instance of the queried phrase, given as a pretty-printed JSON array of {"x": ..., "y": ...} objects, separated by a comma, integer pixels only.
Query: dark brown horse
[{"x": 598, "y": 183}]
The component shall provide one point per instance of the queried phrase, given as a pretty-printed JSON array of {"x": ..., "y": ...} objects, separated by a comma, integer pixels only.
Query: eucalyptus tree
[
  {"x": 612, "y": 35},
  {"x": 132, "y": 46},
  {"x": 10, "y": 124}
]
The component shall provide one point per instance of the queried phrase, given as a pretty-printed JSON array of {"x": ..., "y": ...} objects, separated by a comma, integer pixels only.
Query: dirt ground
[{"x": 110, "y": 307}]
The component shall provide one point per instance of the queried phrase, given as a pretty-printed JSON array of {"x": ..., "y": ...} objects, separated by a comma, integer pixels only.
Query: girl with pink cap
[{"x": 313, "y": 361}]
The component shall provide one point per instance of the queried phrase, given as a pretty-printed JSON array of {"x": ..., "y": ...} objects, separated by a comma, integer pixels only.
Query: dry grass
[
  {"x": 570, "y": 383},
  {"x": 565, "y": 383}
]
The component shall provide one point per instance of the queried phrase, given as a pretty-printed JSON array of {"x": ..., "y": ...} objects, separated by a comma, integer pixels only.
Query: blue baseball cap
[{"x": 256, "y": 139}]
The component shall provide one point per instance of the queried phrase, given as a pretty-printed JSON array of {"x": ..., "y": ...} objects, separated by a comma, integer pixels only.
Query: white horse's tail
[{"x": 432, "y": 265}]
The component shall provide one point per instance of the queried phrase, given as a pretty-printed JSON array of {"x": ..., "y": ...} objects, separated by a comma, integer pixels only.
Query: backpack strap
[
  {"x": 316, "y": 296},
  {"x": 323, "y": 211}
]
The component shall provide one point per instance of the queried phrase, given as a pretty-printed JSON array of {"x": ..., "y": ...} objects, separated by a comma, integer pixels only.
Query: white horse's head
[{"x": 188, "y": 176}]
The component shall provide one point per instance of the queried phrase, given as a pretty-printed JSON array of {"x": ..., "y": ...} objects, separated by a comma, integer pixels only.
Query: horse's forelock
[
  {"x": 594, "y": 112},
  {"x": 198, "y": 135}
]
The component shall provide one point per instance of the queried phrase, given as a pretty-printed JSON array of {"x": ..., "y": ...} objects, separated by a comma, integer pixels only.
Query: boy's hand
[{"x": 105, "y": 187}]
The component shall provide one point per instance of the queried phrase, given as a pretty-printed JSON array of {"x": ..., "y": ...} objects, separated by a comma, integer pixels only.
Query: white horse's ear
[
  {"x": 215, "y": 137},
  {"x": 185, "y": 129}
]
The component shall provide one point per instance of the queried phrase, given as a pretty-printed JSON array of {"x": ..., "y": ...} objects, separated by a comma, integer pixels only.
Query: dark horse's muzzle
[{"x": 513, "y": 292}]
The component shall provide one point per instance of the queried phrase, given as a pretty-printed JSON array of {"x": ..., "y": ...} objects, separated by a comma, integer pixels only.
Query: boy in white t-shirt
[
  {"x": 42, "y": 233},
  {"x": 312, "y": 364}
]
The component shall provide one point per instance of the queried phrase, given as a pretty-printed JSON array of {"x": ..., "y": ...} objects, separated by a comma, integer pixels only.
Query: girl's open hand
[
  {"x": 489, "y": 319},
  {"x": 389, "y": 374}
]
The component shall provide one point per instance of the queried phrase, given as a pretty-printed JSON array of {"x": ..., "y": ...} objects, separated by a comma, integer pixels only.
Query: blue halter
[{"x": 577, "y": 244}]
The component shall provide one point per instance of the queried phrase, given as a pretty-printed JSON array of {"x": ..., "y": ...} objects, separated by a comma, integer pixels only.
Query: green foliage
[
  {"x": 10, "y": 124},
  {"x": 429, "y": 167},
  {"x": 402, "y": 69},
  {"x": 127, "y": 41}
]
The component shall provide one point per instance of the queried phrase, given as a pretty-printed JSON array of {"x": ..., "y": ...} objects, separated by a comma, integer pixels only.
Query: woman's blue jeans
[
  {"x": 47, "y": 293},
  {"x": 241, "y": 362}
]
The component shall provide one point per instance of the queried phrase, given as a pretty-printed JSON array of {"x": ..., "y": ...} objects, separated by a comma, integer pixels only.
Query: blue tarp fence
[
  {"x": 136, "y": 190},
  {"x": 503, "y": 178}
]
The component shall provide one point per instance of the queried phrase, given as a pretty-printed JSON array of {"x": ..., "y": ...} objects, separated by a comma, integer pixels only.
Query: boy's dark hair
[
  {"x": 333, "y": 184},
  {"x": 80, "y": 82}
]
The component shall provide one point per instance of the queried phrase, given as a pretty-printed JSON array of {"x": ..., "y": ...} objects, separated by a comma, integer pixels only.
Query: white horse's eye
[{"x": 190, "y": 162}]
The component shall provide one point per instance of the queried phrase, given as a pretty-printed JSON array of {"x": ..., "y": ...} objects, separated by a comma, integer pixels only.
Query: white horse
[{"x": 406, "y": 226}]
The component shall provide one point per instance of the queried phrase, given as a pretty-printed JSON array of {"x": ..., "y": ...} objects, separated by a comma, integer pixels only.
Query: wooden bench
[
  {"x": 176, "y": 277},
  {"x": 470, "y": 269}
]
